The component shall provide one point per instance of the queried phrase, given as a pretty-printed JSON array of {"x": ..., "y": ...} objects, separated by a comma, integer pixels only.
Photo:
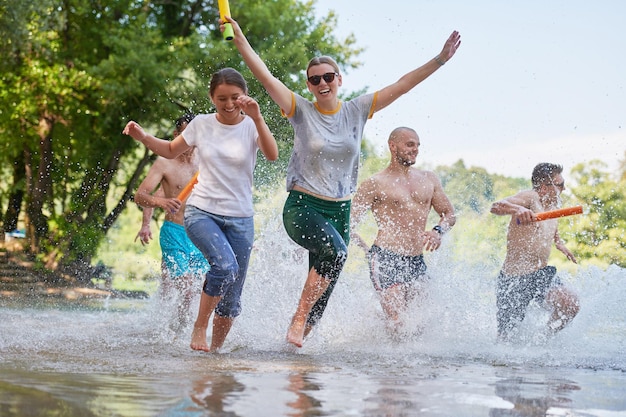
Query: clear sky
[{"x": 533, "y": 81}]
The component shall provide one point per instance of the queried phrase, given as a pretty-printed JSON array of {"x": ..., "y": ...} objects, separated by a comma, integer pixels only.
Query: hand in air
[
  {"x": 249, "y": 106},
  {"x": 134, "y": 130},
  {"x": 236, "y": 29},
  {"x": 450, "y": 47}
]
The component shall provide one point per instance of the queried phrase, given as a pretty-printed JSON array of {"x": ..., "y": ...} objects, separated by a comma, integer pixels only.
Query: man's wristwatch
[{"x": 438, "y": 229}]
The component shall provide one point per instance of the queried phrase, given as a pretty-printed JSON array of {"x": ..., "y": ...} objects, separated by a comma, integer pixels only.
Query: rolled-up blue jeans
[{"x": 226, "y": 243}]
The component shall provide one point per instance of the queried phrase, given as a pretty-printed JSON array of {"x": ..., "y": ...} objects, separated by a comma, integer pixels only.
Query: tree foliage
[
  {"x": 74, "y": 72},
  {"x": 601, "y": 233}
]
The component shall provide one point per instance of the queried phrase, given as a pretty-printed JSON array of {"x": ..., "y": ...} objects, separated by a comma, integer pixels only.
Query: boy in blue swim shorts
[{"x": 182, "y": 262}]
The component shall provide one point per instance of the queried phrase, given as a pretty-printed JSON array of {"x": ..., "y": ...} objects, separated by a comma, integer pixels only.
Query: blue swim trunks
[{"x": 180, "y": 256}]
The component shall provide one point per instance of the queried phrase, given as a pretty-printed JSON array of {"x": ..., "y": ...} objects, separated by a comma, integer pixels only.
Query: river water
[{"x": 120, "y": 358}]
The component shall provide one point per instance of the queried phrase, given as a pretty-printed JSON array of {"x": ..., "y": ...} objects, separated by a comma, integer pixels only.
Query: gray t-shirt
[{"x": 325, "y": 158}]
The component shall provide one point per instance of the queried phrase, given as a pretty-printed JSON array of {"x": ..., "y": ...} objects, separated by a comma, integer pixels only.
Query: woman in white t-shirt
[{"x": 219, "y": 212}]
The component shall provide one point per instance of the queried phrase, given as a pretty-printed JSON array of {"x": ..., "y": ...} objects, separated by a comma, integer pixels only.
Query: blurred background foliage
[{"x": 74, "y": 72}]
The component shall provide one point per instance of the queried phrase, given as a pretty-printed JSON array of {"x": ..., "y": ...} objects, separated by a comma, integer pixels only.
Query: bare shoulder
[
  {"x": 176, "y": 173},
  {"x": 374, "y": 182},
  {"x": 161, "y": 162},
  {"x": 431, "y": 176},
  {"x": 371, "y": 189},
  {"x": 425, "y": 177},
  {"x": 526, "y": 198}
]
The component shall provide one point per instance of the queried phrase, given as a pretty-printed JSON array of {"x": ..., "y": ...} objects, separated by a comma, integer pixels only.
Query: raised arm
[
  {"x": 392, "y": 92},
  {"x": 165, "y": 148},
  {"x": 274, "y": 87}
]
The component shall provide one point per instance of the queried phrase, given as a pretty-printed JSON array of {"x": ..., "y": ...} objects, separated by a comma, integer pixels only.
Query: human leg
[
  {"x": 564, "y": 305},
  {"x": 398, "y": 280},
  {"x": 314, "y": 288},
  {"x": 185, "y": 288},
  {"x": 198, "y": 335},
  {"x": 221, "y": 328},
  {"x": 181, "y": 261},
  {"x": 393, "y": 302},
  {"x": 207, "y": 234},
  {"x": 554, "y": 296},
  {"x": 321, "y": 227},
  {"x": 240, "y": 235},
  {"x": 512, "y": 300}
]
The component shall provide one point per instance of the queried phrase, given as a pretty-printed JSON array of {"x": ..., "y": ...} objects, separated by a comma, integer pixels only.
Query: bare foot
[
  {"x": 295, "y": 334},
  {"x": 198, "y": 339}
]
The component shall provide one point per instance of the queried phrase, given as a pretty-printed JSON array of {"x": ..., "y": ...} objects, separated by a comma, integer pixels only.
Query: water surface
[{"x": 120, "y": 357}]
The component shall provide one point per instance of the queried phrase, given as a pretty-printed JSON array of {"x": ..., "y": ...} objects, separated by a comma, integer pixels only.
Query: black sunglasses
[{"x": 328, "y": 77}]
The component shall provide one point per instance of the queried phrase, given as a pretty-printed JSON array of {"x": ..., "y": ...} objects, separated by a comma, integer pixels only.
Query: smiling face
[
  {"x": 324, "y": 91},
  {"x": 224, "y": 98},
  {"x": 404, "y": 146}
]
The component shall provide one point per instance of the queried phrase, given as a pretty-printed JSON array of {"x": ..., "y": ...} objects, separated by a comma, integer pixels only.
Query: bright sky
[{"x": 533, "y": 81}]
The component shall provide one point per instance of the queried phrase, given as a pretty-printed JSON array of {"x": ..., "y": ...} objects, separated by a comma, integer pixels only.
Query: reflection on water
[
  {"x": 120, "y": 358},
  {"x": 304, "y": 387},
  {"x": 279, "y": 388},
  {"x": 284, "y": 385},
  {"x": 531, "y": 397}
]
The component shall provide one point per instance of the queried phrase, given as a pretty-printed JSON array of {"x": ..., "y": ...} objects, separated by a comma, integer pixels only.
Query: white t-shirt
[{"x": 227, "y": 155}]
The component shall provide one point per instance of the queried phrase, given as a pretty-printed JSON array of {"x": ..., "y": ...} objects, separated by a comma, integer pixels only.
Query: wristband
[
  {"x": 438, "y": 229},
  {"x": 440, "y": 61}
]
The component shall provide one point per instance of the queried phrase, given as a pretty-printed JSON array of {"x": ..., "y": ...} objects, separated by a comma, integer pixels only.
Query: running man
[
  {"x": 400, "y": 198},
  {"x": 525, "y": 275}
]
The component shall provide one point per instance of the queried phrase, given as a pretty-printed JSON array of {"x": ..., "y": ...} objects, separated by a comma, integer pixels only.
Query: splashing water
[
  {"x": 122, "y": 356},
  {"x": 455, "y": 320}
]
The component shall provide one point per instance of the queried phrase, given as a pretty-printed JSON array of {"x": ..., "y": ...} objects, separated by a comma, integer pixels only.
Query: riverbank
[{"x": 21, "y": 277}]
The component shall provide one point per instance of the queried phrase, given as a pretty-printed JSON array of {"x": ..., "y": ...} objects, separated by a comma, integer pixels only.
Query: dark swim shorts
[
  {"x": 388, "y": 268},
  {"x": 514, "y": 294}
]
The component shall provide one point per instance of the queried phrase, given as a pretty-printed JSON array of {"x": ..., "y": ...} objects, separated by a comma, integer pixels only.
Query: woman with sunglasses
[{"x": 322, "y": 171}]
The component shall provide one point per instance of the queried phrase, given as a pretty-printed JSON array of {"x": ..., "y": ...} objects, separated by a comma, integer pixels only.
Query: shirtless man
[
  {"x": 525, "y": 275},
  {"x": 181, "y": 260},
  {"x": 400, "y": 198}
]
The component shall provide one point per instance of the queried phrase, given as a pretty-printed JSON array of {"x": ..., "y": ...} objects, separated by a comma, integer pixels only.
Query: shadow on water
[{"x": 116, "y": 357}]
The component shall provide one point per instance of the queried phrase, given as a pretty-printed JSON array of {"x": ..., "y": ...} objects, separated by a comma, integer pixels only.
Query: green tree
[
  {"x": 600, "y": 234},
  {"x": 74, "y": 72}
]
